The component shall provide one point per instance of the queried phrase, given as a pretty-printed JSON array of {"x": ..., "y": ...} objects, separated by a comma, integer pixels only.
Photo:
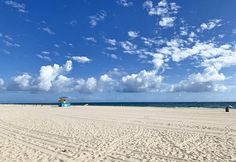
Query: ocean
[{"x": 151, "y": 104}]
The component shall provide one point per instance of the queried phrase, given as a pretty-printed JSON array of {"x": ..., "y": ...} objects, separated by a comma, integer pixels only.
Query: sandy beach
[{"x": 96, "y": 133}]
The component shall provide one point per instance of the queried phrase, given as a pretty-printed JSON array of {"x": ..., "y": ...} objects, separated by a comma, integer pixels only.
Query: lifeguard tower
[{"x": 62, "y": 102}]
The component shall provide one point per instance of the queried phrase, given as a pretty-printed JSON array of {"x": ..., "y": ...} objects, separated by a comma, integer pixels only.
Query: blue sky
[{"x": 117, "y": 50}]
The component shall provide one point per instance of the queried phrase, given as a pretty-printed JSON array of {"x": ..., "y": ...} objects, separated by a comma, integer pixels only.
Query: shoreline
[{"x": 97, "y": 105}]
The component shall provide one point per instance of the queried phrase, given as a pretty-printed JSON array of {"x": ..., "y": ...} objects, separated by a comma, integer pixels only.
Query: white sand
[{"x": 49, "y": 133}]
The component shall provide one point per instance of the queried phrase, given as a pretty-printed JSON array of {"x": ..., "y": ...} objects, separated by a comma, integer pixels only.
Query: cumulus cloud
[
  {"x": 67, "y": 66},
  {"x": 201, "y": 82},
  {"x": 49, "y": 73},
  {"x": 22, "y": 82},
  {"x": 81, "y": 59},
  {"x": 179, "y": 49},
  {"x": 133, "y": 34},
  {"x": 211, "y": 24},
  {"x": 86, "y": 86},
  {"x": 107, "y": 83},
  {"x": 104, "y": 83},
  {"x": 63, "y": 84},
  {"x": 164, "y": 10},
  {"x": 152, "y": 41},
  {"x": 124, "y": 3},
  {"x": 100, "y": 16},
  {"x": 52, "y": 78},
  {"x": 158, "y": 60},
  {"x": 141, "y": 82},
  {"x": 226, "y": 60},
  {"x": 21, "y": 7},
  {"x": 211, "y": 56},
  {"x": 105, "y": 78},
  {"x": 167, "y": 21}
]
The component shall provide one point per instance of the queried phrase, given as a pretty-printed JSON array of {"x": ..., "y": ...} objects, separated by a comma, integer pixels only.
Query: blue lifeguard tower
[{"x": 62, "y": 102}]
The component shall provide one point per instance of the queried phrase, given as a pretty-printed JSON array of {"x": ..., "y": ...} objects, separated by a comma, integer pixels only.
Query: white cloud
[
  {"x": 209, "y": 74},
  {"x": 164, "y": 10},
  {"x": 86, "y": 86},
  {"x": 227, "y": 59},
  {"x": 1, "y": 84},
  {"x": 19, "y": 6},
  {"x": 110, "y": 41},
  {"x": 114, "y": 56},
  {"x": 221, "y": 35},
  {"x": 128, "y": 47},
  {"x": 124, "y": 3},
  {"x": 107, "y": 83},
  {"x": 48, "y": 30},
  {"x": 174, "y": 7},
  {"x": 152, "y": 41},
  {"x": 45, "y": 52},
  {"x": 73, "y": 22},
  {"x": 167, "y": 21},
  {"x": 52, "y": 78},
  {"x": 81, "y": 59},
  {"x": 7, "y": 43},
  {"x": 105, "y": 78},
  {"x": 91, "y": 39},
  {"x": 8, "y": 37},
  {"x": 179, "y": 49},
  {"x": 44, "y": 57},
  {"x": 22, "y": 82},
  {"x": 211, "y": 24},
  {"x": 56, "y": 45},
  {"x": 6, "y": 51},
  {"x": 48, "y": 74},
  {"x": 212, "y": 57},
  {"x": 96, "y": 18},
  {"x": 158, "y": 60},
  {"x": 67, "y": 66},
  {"x": 234, "y": 31},
  {"x": 111, "y": 55},
  {"x": 141, "y": 82},
  {"x": 111, "y": 48},
  {"x": 183, "y": 31},
  {"x": 63, "y": 84},
  {"x": 201, "y": 82},
  {"x": 133, "y": 34}
]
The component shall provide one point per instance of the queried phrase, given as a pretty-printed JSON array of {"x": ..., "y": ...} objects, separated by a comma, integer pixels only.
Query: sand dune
[{"x": 48, "y": 133}]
